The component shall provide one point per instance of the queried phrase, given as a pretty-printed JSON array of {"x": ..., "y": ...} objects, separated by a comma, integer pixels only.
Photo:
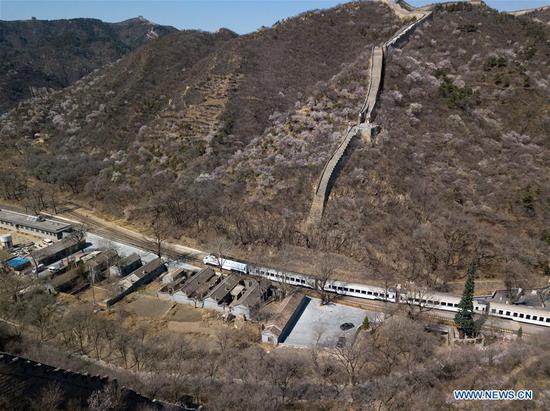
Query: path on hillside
[{"x": 364, "y": 127}]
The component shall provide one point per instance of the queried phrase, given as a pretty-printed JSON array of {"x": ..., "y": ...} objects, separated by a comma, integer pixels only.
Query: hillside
[
  {"x": 228, "y": 135},
  {"x": 461, "y": 165},
  {"x": 37, "y": 54},
  {"x": 463, "y": 159},
  {"x": 180, "y": 107}
]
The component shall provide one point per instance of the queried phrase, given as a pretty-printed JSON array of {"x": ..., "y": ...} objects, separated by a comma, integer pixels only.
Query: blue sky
[{"x": 241, "y": 16}]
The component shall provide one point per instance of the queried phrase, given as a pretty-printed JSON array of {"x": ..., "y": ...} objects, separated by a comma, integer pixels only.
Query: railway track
[
  {"x": 433, "y": 316},
  {"x": 135, "y": 239}
]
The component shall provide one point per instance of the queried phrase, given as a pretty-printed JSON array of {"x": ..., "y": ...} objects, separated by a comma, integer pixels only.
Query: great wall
[
  {"x": 365, "y": 127},
  {"x": 23, "y": 377}
]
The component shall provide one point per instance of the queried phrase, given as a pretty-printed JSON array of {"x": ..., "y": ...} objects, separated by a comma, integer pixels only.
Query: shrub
[{"x": 457, "y": 97}]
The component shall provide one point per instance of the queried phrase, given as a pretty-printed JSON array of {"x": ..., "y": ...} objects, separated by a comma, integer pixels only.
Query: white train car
[
  {"x": 369, "y": 292},
  {"x": 281, "y": 276},
  {"x": 521, "y": 313},
  {"x": 227, "y": 264},
  {"x": 435, "y": 300}
]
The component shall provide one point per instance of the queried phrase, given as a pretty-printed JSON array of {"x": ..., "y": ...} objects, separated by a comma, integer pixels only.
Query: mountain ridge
[{"x": 52, "y": 54}]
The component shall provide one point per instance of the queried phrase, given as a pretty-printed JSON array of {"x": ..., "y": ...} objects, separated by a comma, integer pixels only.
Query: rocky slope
[{"x": 37, "y": 54}]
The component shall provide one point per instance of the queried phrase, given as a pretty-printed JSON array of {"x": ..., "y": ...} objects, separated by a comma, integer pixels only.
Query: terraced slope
[{"x": 182, "y": 110}]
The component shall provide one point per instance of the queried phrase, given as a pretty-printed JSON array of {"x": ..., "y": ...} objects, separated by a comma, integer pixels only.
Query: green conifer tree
[{"x": 464, "y": 318}]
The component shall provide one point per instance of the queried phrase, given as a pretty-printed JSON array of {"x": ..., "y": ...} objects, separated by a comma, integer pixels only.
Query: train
[{"x": 435, "y": 300}]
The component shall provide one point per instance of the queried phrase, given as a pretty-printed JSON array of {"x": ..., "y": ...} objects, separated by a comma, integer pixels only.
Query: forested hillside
[
  {"x": 180, "y": 107},
  {"x": 228, "y": 135},
  {"x": 463, "y": 159},
  {"x": 36, "y": 55}
]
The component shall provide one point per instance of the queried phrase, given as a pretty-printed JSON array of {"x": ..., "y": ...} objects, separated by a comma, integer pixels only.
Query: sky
[{"x": 241, "y": 16}]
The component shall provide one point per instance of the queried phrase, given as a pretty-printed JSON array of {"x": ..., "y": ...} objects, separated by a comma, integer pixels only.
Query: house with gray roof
[{"x": 32, "y": 224}]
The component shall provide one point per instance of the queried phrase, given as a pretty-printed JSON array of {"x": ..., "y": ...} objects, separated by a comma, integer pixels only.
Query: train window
[
  {"x": 527, "y": 317},
  {"x": 346, "y": 289},
  {"x": 535, "y": 318},
  {"x": 477, "y": 308},
  {"x": 369, "y": 292},
  {"x": 339, "y": 288},
  {"x": 424, "y": 301},
  {"x": 443, "y": 303},
  {"x": 363, "y": 292},
  {"x": 508, "y": 313},
  {"x": 375, "y": 294},
  {"x": 493, "y": 310},
  {"x": 436, "y": 302},
  {"x": 514, "y": 314},
  {"x": 521, "y": 316},
  {"x": 548, "y": 320},
  {"x": 456, "y": 305},
  {"x": 500, "y": 312}
]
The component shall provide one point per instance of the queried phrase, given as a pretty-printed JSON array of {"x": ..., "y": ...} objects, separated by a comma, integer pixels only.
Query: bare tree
[
  {"x": 50, "y": 397},
  {"x": 324, "y": 277},
  {"x": 108, "y": 399},
  {"x": 330, "y": 375},
  {"x": 284, "y": 372},
  {"x": 418, "y": 300},
  {"x": 400, "y": 342},
  {"x": 78, "y": 233},
  {"x": 53, "y": 196},
  {"x": 352, "y": 357},
  {"x": 160, "y": 232},
  {"x": 220, "y": 246},
  {"x": 543, "y": 294},
  {"x": 39, "y": 311}
]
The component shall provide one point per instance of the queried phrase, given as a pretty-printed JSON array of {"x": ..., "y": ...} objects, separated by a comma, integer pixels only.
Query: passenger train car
[{"x": 439, "y": 301}]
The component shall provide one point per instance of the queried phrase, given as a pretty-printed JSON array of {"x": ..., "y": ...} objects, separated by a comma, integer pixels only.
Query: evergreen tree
[{"x": 464, "y": 318}]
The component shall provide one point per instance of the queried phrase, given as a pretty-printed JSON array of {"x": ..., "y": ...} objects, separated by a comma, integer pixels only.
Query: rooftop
[
  {"x": 37, "y": 222},
  {"x": 251, "y": 296},
  {"x": 141, "y": 272},
  {"x": 199, "y": 279},
  {"x": 61, "y": 279},
  {"x": 224, "y": 287},
  {"x": 128, "y": 260},
  {"x": 55, "y": 247},
  {"x": 280, "y": 321},
  {"x": 533, "y": 298}
]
